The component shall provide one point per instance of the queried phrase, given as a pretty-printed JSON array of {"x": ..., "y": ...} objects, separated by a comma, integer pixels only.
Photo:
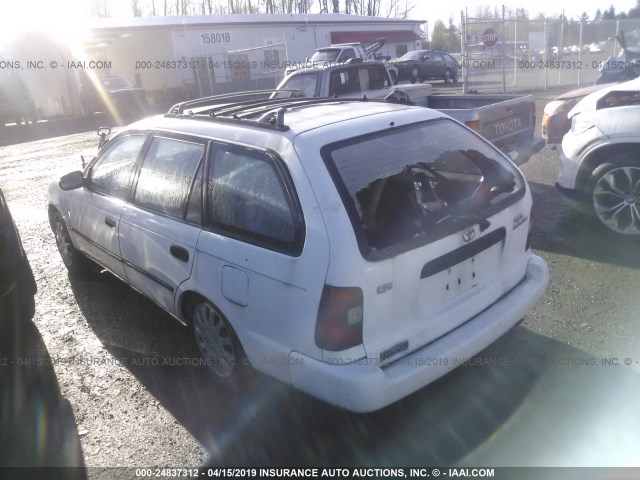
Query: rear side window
[
  {"x": 344, "y": 81},
  {"x": 167, "y": 175},
  {"x": 111, "y": 174},
  {"x": 408, "y": 185},
  {"x": 248, "y": 198}
]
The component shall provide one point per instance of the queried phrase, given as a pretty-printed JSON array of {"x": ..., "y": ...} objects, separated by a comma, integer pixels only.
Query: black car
[
  {"x": 421, "y": 65},
  {"x": 17, "y": 285}
]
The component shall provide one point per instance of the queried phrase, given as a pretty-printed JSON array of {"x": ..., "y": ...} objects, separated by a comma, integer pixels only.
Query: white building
[{"x": 176, "y": 58}]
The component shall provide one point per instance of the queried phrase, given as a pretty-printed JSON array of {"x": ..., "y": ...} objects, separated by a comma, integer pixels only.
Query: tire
[
  {"x": 447, "y": 76},
  {"x": 414, "y": 75},
  {"x": 613, "y": 194},
  {"x": 218, "y": 344},
  {"x": 72, "y": 258}
]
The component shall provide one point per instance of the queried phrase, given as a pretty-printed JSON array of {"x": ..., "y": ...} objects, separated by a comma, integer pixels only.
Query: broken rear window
[{"x": 408, "y": 184}]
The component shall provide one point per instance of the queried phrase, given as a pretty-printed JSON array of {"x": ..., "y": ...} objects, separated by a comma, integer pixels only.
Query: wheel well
[
  {"x": 52, "y": 211},
  {"x": 187, "y": 301},
  {"x": 598, "y": 157}
]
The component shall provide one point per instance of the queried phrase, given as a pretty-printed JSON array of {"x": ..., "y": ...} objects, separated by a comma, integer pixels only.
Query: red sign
[{"x": 490, "y": 37}]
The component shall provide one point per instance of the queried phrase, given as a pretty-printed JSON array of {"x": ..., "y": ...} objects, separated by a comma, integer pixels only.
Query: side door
[
  {"x": 95, "y": 209},
  {"x": 251, "y": 262},
  {"x": 159, "y": 228}
]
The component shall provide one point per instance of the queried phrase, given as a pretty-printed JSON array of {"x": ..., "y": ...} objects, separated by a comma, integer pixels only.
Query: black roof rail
[
  {"x": 265, "y": 112},
  {"x": 235, "y": 97}
]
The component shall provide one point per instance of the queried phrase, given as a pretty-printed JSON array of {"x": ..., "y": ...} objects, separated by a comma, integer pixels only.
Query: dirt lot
[{"x": 124, "y": 394}]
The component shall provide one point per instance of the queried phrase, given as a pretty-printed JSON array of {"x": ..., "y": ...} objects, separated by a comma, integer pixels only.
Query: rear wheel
[
  {"x": 218, "y": 343},
  {"x": 414, "y": 75},
  {"x": 614, "y": 191}
]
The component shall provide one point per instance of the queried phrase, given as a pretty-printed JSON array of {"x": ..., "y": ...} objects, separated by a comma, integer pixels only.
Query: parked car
[
  {"x": 17, "y": 285},
  {"x": 555, "y": 122},
  {"x": 622, "y": 67},
  {"x": 600, "y": 157},
  {"x": 113, "y": 96},
  {"x": 355, "y": 249},
  {"x": 421, "y": 65}
]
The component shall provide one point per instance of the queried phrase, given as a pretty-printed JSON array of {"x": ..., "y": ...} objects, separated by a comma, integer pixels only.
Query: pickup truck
[
  {"x": 342, "y": 53},
  {"x": 507, "y": 121}
]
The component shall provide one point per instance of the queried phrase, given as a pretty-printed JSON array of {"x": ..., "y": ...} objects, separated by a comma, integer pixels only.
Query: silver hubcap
[
  {"x": 616, "y": 200},
  {"x": 214, "y": 340},
  {"x": 64, "y": 243}
]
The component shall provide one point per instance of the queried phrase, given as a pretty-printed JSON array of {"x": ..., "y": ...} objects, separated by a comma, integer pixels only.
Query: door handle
[
  {"x": 179, "y": 252},
  {"x": 110, "y": 221}
]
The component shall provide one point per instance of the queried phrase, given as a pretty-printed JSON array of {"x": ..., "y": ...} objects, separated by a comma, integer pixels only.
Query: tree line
[
  {"x": 560, "y": 28},
  {"x": 146, "y": 8}
]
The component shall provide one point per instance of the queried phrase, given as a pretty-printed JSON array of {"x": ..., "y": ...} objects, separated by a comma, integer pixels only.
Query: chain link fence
[{"x": 503, "y": 56}]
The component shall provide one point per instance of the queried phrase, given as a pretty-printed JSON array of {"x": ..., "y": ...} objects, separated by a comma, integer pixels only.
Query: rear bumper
[{"x": 364, "y": 386}]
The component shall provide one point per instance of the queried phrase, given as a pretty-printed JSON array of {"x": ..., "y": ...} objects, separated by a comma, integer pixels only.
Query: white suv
[
  {"x": 357, "y": 250},
  {"x": 600, "y": 157}
]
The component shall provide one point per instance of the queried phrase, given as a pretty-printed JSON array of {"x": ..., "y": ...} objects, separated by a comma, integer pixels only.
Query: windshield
[
  {"x": 115, "y": 83},
  {"x": 415, "y": 55},
  {"x": 326, "y": 55},
  {"x": 411, "y": 182}
]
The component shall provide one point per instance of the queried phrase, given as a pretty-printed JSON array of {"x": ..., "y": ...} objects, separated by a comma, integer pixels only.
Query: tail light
[
  {"x": 339, "y": 322},
  {"x": 473, "y": 125}
]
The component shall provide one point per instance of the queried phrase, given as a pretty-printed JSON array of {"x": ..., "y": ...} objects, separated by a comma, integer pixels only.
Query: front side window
[
  {"x": 247, "y": 197},
  {"x": 167, "y": 175},
  {"x": 411, "y": 183},
  {"x": 111, "y": 174}
]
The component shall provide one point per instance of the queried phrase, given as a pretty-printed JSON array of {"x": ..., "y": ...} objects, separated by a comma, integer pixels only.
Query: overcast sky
[
  {"x": 442, "y": 10},
  {"x": 16, "y": 14}
]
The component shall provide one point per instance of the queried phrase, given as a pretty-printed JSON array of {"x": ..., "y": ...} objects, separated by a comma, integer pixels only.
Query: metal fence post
[
  {"x": 545, "y": 58},
  {"x": 516, "y": 57},
  {"x": 580, "y": 55},
  {"x": 463, "y": 47},
  {"x": 504, "y": 54}
]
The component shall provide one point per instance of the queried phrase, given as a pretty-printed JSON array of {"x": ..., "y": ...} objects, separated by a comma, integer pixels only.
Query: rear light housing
[
  {"x": 339, "y": 321},
  {"x": 473, "y": 125},
  {"x": 528, "y": 244}
]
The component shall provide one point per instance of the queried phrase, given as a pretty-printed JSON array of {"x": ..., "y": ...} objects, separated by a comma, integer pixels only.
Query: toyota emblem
[{"x": 469, "y": 234}]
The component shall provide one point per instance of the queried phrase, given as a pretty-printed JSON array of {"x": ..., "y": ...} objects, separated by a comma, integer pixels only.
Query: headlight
[
  {"x": 581, "y": 122},
  {"x": 555, "y": 107}
]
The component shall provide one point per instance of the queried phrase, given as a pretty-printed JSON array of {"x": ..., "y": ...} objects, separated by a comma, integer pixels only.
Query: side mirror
[{"x": 71, "y": 181}]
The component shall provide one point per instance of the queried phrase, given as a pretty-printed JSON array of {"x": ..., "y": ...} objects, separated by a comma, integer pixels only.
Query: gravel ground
[
  {"x": 86, "y": 325},
  {"x": 125, "y": 396}
]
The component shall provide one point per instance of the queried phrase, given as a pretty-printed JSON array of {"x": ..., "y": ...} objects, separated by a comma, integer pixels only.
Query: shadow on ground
[
  {"x": 525, "y": 400},
  {"x": 38, "y": 425},
  {"x": 564, "y": 226}
]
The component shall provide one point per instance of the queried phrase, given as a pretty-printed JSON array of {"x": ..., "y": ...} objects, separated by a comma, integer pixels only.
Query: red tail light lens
[{"x": 339, "y": 322}]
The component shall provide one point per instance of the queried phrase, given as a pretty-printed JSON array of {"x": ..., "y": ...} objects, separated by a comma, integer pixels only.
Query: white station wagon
[{"x": 357, "y": 250}]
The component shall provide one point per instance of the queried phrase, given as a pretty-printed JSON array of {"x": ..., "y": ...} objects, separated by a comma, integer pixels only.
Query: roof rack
[{"x": 264, "y": 111}]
